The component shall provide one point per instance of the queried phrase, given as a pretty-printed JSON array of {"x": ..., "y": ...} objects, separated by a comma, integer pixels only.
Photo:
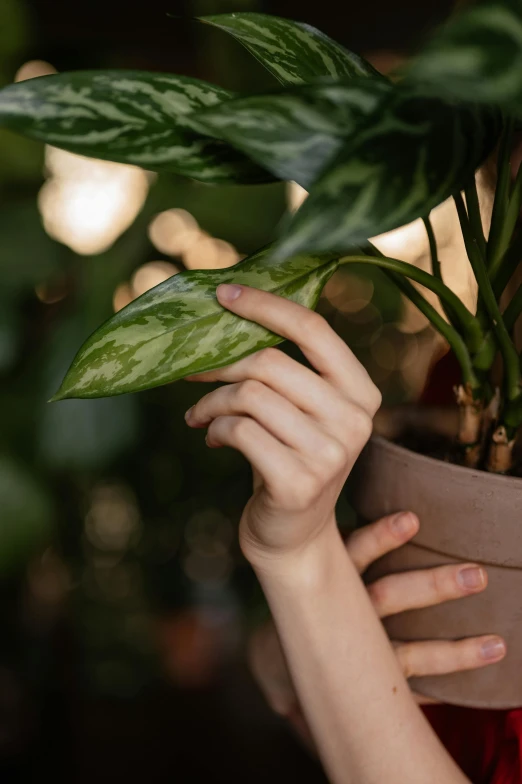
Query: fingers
[
  {"x": 277, "y": 464},
  {"x": 369, "y": 543},
  {"x": 275, "y": 413},
  {"x": 325, "y": 350},
  {"x": 425, "y": 587},
  {"x": 418, "y": 659},
  {"x": 289, "y": 378},
  {"x": 310, "y": 393}
]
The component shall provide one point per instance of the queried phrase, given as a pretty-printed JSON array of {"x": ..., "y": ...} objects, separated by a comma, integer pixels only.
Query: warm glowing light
[
  {"x": 174, "y": 231},
  {"x": 296, "y": 195},
  {"x": 151, "y": 274},
  {"x": 86, "y": 204},
  {"x": 383, "y": 352},
  {"x": 349, "y": 293},
  {"x": 210, "y": 253},
  {"x": 113, "y": 521},
  {"x": 123, "y": 296},
  {"x": 32, "y": 69}
]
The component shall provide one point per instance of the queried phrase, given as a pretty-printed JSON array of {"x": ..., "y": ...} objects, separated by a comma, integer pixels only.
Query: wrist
[{"x": 308, "y": 563}]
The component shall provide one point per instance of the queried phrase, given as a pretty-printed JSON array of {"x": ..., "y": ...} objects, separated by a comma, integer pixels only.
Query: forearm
[{"x": 365, "y": 722}]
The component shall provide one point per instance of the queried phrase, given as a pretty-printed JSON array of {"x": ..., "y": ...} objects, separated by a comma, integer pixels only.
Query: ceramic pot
[{"x": 466, "y": 515}]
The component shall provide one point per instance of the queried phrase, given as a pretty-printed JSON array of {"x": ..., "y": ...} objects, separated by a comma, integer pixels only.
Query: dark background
[{"x": 125, "y": 604}]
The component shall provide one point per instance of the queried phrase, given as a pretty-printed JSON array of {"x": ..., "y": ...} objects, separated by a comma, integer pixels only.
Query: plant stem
[
  {"x": 495, "y": 250},
  {"x": 509, "y": 224},
  {"x": 436, "y": 269},
  {"x": 467, "y": 323},
  {"x": 508, "y": 266},
  {"x": 448, "y": 332},
  {"x": 509, "y": 353},
  {"x": 475, "y": 218}
]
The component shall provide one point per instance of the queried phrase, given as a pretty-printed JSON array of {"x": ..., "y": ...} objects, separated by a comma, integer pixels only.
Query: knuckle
[
  {"x": 404, "y": 653},
  {"x": 331, "y": 454},
  {"x": 438, "y": 583},
  {"x": 249, "y": 391},
  {"x": 312, "y": 325},
  {"x": 267, "y": 358},
  {"x": 241, "y": 428},
  {"x": 374, "y": 399},
  {"x": 379, "y": 592},
  {"x": 360, "y": 424}
]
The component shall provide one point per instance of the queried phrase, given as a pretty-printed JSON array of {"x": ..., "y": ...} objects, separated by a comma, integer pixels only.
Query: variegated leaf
[
  {"x": 179, "y": 328},
  {"x": 292, "y": 51},
  {"x": 293, "y": 133},
  {"x": 414, "y": 154},
  {"x": 130, "y": 117},
  {"x": 476, "y": 56}
]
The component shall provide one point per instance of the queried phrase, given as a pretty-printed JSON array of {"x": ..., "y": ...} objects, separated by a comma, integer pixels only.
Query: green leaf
[
  {"x": 179, "y": 328},
  {"x": 292, "y": 51},
  {"x": 127, "y": 116},
  {"x": 295, "y": 132},
  {"x": 477, "y": 56},
  {"x": 414, "y": 154}
]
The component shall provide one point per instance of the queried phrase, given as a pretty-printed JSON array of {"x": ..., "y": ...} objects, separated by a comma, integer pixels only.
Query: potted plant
[{"x": 374, "y": 154}]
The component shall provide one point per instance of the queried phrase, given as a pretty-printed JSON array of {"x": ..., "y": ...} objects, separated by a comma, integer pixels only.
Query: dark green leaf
[
  {"x": 292, "y": 51},
  {"x": 295, "y": 132},
  {"x": 179, "y": 328},
  {"x": 127, "y": 116},
  {"x": 477, "y": 57},
  {"x": 414, "y": 154}
]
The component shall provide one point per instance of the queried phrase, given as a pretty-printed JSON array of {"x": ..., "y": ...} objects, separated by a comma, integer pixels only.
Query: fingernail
[
  {"x": 493, "y": 649},
  {"x": 188, "y": 413},
  {"x": 403, "y": 523},
  {"x": 228, "y": 292},
  {"x": 471, "y": 578}
]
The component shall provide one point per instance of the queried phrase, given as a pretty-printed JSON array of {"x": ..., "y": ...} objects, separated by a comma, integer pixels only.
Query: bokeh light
[
  {"x": 33, "y": 69},
  {"x": 172, "y": 232},
  {"x": 87, "y": 204}
]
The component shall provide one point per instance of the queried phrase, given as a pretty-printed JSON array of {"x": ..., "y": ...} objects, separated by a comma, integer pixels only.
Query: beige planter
[{"x": 466, "y": 515}]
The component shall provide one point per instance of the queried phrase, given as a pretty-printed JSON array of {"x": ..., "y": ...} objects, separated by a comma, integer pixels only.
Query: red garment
[{"x": 486, "y": 744}]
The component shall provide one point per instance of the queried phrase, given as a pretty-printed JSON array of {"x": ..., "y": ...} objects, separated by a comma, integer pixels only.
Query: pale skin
[{"x": 302, "y": 431}]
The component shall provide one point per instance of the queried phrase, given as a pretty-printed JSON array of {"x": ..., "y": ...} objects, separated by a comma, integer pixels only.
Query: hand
[
  {"x": 301, "y": 430},
  {"x": 389, "y": 595}
]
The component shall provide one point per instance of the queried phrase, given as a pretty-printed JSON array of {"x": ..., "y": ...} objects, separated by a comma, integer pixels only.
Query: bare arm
[
  {"x": 365, "y": 722},
  {"x": 389, "y": 595}
]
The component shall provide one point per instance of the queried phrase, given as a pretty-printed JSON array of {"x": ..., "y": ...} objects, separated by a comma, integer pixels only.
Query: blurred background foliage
[{"x": 125, "y": 602}]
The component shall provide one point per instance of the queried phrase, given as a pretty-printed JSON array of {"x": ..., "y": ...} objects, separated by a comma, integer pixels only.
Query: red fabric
[{"x": 486, "y": 744}]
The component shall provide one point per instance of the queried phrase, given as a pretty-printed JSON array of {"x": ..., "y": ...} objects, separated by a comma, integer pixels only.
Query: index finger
[{"x": 324, "y": 349}]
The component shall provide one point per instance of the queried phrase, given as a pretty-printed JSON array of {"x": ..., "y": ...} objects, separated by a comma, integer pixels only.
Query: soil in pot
[{"x": 466, "y": 515}]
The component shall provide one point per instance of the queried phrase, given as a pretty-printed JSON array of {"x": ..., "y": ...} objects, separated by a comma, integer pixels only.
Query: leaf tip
[{"x": 59, "y": 395}]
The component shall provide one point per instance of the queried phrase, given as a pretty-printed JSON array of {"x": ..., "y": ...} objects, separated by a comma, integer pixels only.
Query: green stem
[
  {"x": 475, "y": 218},
  {"x": 510, "y": 262},
  {"x": 459, "y": 348},
  {"x": 467, "y": 323},
  {"x": 513, "y": 310},
  {"x": 454, "y": 339},
  {"x": 509, "y": 353},
  {"x": 436, "y": 269},
  {"x": 495, "y": 250},
  {"x": 510, "y": 221}
]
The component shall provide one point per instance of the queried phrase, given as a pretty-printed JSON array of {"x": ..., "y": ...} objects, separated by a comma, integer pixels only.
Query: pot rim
[{"x": 495, "y": 479}]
